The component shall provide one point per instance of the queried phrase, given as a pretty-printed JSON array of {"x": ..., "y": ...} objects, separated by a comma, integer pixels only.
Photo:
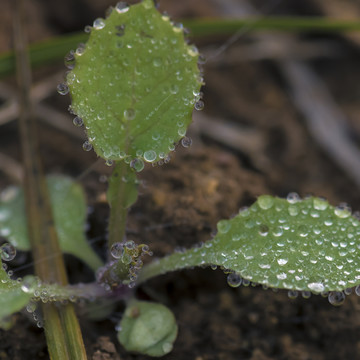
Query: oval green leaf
[
  {"x": 134, "y": 84},
  {"x": 305, "y": 245},
  {"x": 69, "y": 210},
  {"x": 12, "y": 298},
  {"x": 148, "y": 328}
]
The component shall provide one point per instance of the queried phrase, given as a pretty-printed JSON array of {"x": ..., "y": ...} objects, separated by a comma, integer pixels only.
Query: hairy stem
[
  {"x": 61, "y": 325},
  {"x": 122, "y": 193}
]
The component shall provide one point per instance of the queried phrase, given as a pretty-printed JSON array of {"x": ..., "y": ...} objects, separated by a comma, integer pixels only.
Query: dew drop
[
  {"x": 63, "y": 89},
  {"x": 109, "y": 162},
  {"x": 99, "y": 24},
  {"x": 292, "y": 294},
  {"x": 120, "y": 30},
  {"x": 348, "y": 291},
  {"x": 234, "y": 280},
  {"x": 278, "y": 231},
  {"x": 8, "y": 252},
  {"x": 328, "y": 222},
  {"x": 31, "y": 307},
  {"x": 129, "y": 114},
  {"x": 29, "y": 284},
  {"x": 87, "y": 29},
  {"x": 137, "y": 164},
  {"x": 174, "y": 89},
  {"x": 281, "y": 276},
  {"x": 87, "y": 146},
  {"x": 357, "y": 290},
  {"x": 193, "y": 50},
  {"x": 303, "y": 231},
  {"x": 122, "y": 7},
  {"x": 69, "y": 60},
  {"x": 316, "y": 287},
  {"x": 186, "y": 142},
  {"x": 78, "y": 121},
  {"x": 320, "y": 204},
  {"x": 178, "y": 27},
  {"x": 117, "y": 250},
  {"x": 306, "y": 294},
  {"x": 155, "y": 136},
  {"x": 293, "y": 210},
  {"x": 265, "y": 201},
  {"x": 223, "y": 226},
  {"x": 263, "y": 230},
  {"x": 282, "y": 261},
  {"x": 336, "y": 298},
  {"x": 293, "y": 197},
  {"x": 130, "y": 244},
  {"x": 342, "y": 211},
  {"x": 150, "y": 155},
  {"x": 157, "y": 62},
  {"x": 199, "y": 105},
  {"x": 80, "y": 49}
]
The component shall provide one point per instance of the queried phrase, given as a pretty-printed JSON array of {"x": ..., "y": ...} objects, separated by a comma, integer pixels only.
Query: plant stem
[
  {"x": 61, "y": 325},
  {"x": 122, "y": 193},
  {"x": 48, "y": 51}
]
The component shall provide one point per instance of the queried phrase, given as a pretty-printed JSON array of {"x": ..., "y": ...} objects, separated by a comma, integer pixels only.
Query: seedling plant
[{"x": 134, "y": 86}]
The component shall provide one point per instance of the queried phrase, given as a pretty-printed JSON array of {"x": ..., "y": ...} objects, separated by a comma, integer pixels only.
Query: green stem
[
  {"x": 122, "y": 193},
  {"x": 170, "y": 263},
  {"x": 48, "y": 51},
  {"x": 49, "y": 263}
]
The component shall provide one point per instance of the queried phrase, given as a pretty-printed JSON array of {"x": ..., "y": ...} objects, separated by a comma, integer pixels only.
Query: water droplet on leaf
[
  {"x": 63, "y": 89},
  {"x": 122, "y": 7},
  {"x": 117, "y": 250},
  {"x": 78, "y": 121},
  {"x": 150, "y": 155},
  {"x": 99, "y": 24},
  {"x": 137, "y": 164},
  {"x": 336, "y": 298},
  {"x": 8, "y": 252}
]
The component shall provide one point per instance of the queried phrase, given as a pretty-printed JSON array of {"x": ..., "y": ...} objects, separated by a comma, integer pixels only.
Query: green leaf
[
  {"x": 148, "y": 328},
  {"x": 12, "y": 298},
  {"x": 69, "y": 209},
  {"x": 135, "y": 84},
  {"x": 305, "y": 245}
]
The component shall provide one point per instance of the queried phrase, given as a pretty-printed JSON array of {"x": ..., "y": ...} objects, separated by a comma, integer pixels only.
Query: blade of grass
[
  {"x": 61, "y": 325},
  {"x": 54, "y": 49}
]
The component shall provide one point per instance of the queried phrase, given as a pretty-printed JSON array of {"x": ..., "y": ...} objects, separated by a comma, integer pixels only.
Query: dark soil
[{"x": 180, "y": 203}]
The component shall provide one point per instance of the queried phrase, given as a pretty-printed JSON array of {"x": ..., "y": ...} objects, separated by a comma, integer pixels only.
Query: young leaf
[
  {"x": 135, "y": 84},
  {"x": 12, "y": 298},
  {"x": 148, "y": 328},
  {"x": 69, "y": 209},
  {"x": 305, "y": 245}
]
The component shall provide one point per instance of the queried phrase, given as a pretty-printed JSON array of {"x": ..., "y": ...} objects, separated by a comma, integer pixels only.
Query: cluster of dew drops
[
  {"x": 31, "y": 284},
  {"x": 335, "y": 298},
  {"x": 129, "y": 254},
  {"x": 149, "y": 156}
]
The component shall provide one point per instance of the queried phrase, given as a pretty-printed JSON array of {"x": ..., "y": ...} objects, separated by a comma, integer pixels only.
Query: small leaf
[
  {"x": 69, "y": 209},
  {"x": 305, "y": 245},
  {"x": 12, "y": 298},
  {"x": 148, "y": 328},
  {"x": 135, "y": 84}
]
